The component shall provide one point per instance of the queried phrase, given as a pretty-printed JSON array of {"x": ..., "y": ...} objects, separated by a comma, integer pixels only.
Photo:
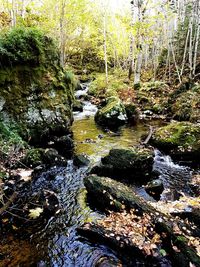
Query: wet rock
[
  {"x": 155, "y": 188},
  {"x": 64, "y": 145},
  {"x": 108, "y": 194},
  {"x": 51, "y": 202},
  {"x": 78, "y": 106},
  {"x": 51, "y": 157},
  {"x": 193, "y": 216},
  {"x": 180, "y": 139},
  {"x": 134, "y": 165},
  {"x": 195, "y": 184},
  {"x": 132, "y": 113},
  {"x": 81, "y": 160},
  {"x": 113, "y": 114}
]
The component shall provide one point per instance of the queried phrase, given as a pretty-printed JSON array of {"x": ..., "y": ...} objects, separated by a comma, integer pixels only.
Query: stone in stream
[
  {"x": 81, "y": 160},
  {"x": 180, "y": 139},
  {"x": 78, "y": 106},
  {"x": 132, "y": 113},
  {"x": 107, "y": 193},
  {"x": 64, "y": 145},
  {"x": 134, "y": 165},
  {"x": 113, "y": 114},
  {"x": 155, "y": 188}
]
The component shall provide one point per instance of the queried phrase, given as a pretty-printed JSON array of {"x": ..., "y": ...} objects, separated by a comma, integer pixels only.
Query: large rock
[
  {"x": 132, "y": 113},
  {"x": 107, "y": 193},
  {"x": 113, "y": 114},
  {"x": 135, "y": 165},
  {"x": 35, "y": 92},
  {"x": 81, "y": 160},
  {"x": 64, "y": 145},
  {"x": 180, "y": 139}
]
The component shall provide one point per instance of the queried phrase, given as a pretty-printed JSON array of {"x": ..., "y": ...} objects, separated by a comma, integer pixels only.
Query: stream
[{"x": 58, "y": 244}]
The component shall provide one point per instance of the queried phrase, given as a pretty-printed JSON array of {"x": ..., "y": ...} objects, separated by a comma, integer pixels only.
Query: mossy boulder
[
  {"x": 81, "y": 160},
  {"x": 186, "y": 106},
  {"x": 108, "y": 194},
  {"x": 77, "y": 106},
  {"x": 180, "y": 139},
  {"x": 132, "y": 112},
  {"x": 134, "y": 165},
  {"x": 35, "y": 92},
  {"x": 113, "y": 114},
  {"x": 64, "y": 145}
]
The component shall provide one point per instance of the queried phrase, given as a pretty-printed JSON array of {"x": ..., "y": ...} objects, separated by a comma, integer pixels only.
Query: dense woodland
[
  {"x": 100, "y": 133},
  {"x": 133, "y": 36}
]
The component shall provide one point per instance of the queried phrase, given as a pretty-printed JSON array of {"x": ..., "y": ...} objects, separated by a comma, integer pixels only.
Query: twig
[
  {"x": 149, "y": 135},
  {"x": 7, "y": 204}
]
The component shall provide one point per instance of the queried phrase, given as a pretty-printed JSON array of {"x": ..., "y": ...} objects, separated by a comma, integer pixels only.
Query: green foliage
[
  {"x": 9, "y": 137},
  {"x": 26, "y": 46},
  {"x": 116, "y": 82},
  {"x": 179, "y": 134}
]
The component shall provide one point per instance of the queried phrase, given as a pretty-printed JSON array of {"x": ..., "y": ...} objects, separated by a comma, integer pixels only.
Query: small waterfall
[
  {"x": 89, "y": 109},
  {"x": 175, "y": 177}
]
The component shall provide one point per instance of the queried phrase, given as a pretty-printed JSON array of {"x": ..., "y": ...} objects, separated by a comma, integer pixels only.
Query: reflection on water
[{"x": 93, "y": 141}]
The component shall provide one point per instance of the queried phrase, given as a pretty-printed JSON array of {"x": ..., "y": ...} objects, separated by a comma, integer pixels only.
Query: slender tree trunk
[
  {"x": 175, "y": 63},
  {"x": 105, "y": 47},
  {"x": 23, "y": 9},
  {"x": 131, "y": 58},
  {"x": 196, "y": 49},
  {"x": 131, "y": 51},
  {"x": 191, "y": 47},
  {"x": 13, "y": 14},
  {"x": 138, "y": 63},
  {"x": 138, "y": 67},
  {"x": 185, "y": 52},
  {"x": 62, "y": 33}
]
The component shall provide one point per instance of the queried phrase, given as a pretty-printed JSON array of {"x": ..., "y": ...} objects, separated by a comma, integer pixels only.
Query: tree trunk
[
  {"x": 196, "y": 49},
  {"x": 62, "y": 33},
  {"x": 13, "y": 14},
  {"x": 105, "y": 48}
]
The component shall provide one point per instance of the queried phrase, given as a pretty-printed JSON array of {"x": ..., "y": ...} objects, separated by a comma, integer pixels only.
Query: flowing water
[{"x": 58, "y": 244}]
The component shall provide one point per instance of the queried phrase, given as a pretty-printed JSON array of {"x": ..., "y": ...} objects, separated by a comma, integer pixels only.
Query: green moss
[
  {"x": 116, "y": 82},
  {"x": 186, "y": 106},
  {"x": 26, "y": 46},
  {"x": 42, "y": 91},
  {"x": 33, "y": 157},
  {"x": 178, "y": 134},
  {"x": 113, "y": 114}
]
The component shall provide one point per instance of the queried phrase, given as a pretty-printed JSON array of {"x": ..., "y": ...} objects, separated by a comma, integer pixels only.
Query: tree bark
[{"x": 105, "y": 47}]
